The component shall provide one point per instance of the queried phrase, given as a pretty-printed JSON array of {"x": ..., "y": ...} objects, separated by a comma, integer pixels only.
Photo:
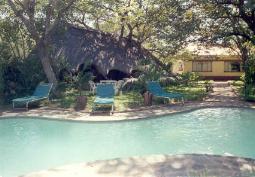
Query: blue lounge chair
[
  {"x": 41, "y": 92},
  {"x": 156, "y": 90},
  {"x": 104, "y": 96}
]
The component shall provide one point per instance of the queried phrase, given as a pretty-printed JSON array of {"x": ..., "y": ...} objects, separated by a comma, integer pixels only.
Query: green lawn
[
  {"x": 121, "y": 102},
  {"x": 191, "y": 93},
  {"x": 127, "y": 100},
  {"x": 238, "y": 86}
]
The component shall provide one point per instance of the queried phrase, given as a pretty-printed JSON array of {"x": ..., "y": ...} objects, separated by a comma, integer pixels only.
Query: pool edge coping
[{"x": 147, "y": 115}]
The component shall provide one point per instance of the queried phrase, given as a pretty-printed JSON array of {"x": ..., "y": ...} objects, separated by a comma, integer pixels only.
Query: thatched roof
[{"x": 103, "y": 50}]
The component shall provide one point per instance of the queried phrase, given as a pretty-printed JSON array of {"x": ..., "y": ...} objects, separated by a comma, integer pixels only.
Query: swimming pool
[{"x": 28, "y": 145}]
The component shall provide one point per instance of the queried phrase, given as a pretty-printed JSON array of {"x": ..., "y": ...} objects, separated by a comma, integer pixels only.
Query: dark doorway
[{"x": 115, "y": 74}]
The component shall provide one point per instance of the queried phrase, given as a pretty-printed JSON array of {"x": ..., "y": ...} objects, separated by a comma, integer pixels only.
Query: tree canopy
[{"x": 161, "y": 27}]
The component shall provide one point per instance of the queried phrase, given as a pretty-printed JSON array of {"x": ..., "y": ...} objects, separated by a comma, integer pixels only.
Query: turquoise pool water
[{"x": 28, "y": 145}]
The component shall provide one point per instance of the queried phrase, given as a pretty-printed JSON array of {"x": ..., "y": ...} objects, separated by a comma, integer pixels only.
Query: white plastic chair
[
  {"x": 119, "y": 86},
  {"x": 92, "y": 87}
]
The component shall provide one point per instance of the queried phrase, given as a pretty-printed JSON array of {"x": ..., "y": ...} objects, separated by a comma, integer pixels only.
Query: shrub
[
  {"x": 238, "y": 83},
  {"x": 1, "y": 84},
  {"x": 167, "y": 81},
  {"x": 134, "y": 85},
  {"x": 149, "y": 71},
  {"x": 189, "y": 78},
  {"x": 208, "y": 86},
  {"x": 81, "y": 81},
  {"x": 242, "y": 77},
  {"x": 249, "y": 93},
  {"x": 20, "y": 78},
  {"x": 19, "y": 74}
]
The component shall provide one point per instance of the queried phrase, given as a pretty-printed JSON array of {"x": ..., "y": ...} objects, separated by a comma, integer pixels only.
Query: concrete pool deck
[
  {"x": 157, "y": 166},
  {"x": 140, "y": 113}
]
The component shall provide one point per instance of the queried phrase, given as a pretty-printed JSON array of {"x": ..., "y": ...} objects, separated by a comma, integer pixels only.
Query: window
[
  {"x": 202, "y": 66},
  {"x": 232, "y": 66}
]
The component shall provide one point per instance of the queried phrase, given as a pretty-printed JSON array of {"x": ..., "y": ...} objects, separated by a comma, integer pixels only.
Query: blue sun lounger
[
  {"x": 156, "y": 90},
  {"x": 41, "y": 92},
  {"x": 104, "y": 96}
]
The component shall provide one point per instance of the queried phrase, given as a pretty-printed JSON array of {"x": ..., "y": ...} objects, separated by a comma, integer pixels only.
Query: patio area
[{"x": 157, "y": 165}]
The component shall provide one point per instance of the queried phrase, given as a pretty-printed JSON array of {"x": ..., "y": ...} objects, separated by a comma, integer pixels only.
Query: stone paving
[
  {"x": 157, "y": 166},
  {"x": 223, "y": 95},
  {"x": 223, "y": 92}
]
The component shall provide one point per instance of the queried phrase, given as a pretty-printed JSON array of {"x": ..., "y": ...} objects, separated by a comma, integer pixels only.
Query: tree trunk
[
  {"x": 130, "y": 34},
  {"x": 45, "y": 60},
  {"x": 244, "y": 56},
  {"x": 122, "y": 32}
]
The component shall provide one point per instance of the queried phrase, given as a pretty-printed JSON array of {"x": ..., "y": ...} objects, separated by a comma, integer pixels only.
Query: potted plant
[
  {"x": 208, "y": 86},
  {"x": 80, "y": 81}
]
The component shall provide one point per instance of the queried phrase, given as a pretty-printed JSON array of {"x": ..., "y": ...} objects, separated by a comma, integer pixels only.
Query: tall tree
[
  {"x": 160, "y": 26},
  {"x": 225, "y": 18},
  {"x": 229, "y": 23},
  {"x": 40, "y": 19}
]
